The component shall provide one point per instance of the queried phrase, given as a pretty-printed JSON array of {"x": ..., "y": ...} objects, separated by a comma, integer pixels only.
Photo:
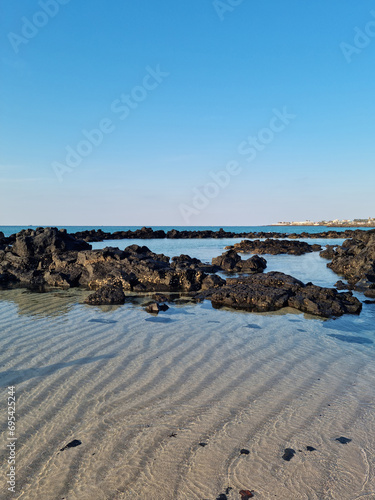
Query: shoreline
[{"x": 357, "y": 226}]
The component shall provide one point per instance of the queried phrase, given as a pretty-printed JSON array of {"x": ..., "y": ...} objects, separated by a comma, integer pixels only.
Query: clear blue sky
[{"x": 229, "y": 67}]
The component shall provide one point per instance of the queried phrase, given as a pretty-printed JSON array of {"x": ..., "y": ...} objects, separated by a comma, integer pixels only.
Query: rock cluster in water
[
  {"x": 51, "y": 257},
  {"x": 48, "y": 257},
  {"x": 274, "y": 247},
  {"x": 273, "y": 291},
  {"x": 355, "y": 260},
  {"x": 149, "y": 233},
  {"x": 230, "y": 261}
]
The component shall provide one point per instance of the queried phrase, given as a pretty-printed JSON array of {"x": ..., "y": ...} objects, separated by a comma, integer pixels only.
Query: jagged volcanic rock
[{"x": 274, "y": 247}]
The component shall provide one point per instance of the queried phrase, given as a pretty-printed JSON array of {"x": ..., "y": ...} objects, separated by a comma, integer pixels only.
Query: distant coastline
[{"x": 370, "y": 222}]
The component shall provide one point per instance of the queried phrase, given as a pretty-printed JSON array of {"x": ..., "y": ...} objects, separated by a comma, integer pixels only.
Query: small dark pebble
[
  {"x": 244, "y": 452},
  {"x": 203, "y": 444},
  {"x": 246, "y": 494},
  {"x": 173, "y": 435},
  {"x": 227, "y": 491},
  {"x": 310, "y": 448},
  {"x": 343, "y": 440},
  {"x": 300, "y": 451},
  {"x": 288, "y": 454},
  {"x": 222, "y": 497},
  {"x": 72, "y": 444}
]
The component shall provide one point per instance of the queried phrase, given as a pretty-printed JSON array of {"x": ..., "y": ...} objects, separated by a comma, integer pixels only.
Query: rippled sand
[{"x": 143, "y": 392}]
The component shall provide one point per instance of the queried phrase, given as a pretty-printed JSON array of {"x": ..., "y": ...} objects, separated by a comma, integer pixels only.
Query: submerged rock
[
  {"x": 72, "y": 444},
  {"x": 246, "y": 494},
  {"x": 158, "y": 297},
  {"x": 155, "y": 308},
  {"x": 107, "y": 295},
  {"x": 343, "y": 440},
  {"x": 288, "y": 454}
]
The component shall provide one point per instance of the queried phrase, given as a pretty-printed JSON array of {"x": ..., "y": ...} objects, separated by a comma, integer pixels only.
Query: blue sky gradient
[{"x": 226, "y": 66}]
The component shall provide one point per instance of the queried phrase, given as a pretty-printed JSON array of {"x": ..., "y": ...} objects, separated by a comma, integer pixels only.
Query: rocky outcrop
[
  {"x": 29, "y": 260},
  {"x": 273, "y": 291},
  {"x": 45, "y": 242},
  {"x": 355, "y": 260},
  {"x": 340, "y": 285},
  {"x": 328, "y": 252},
  {"x": 183, "y": 262},
  {"x": 274, "y": 247},
  {"x": 49, "y": 257},
  {"x": 231, "y": 262},
  {"x": 149, "y": 233}
]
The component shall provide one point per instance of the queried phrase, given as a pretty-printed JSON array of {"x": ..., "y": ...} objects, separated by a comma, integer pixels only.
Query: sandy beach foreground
[{"x": 163, "y": 407}]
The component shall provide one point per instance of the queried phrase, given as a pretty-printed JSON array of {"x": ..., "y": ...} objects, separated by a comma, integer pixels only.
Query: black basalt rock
[
  {"x": 288, "y": 454},
  {"x": 72, "y": 444},
  {"x": 107, "y": 295},
  {"x": 343, "y": 440}
]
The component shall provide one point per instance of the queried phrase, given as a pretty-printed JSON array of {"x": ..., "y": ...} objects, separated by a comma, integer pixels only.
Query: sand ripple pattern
[{"x": 143, "y": 394}]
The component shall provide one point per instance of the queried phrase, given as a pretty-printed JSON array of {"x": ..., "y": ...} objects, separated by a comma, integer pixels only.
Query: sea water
[{"x": 164, "y": 404}]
